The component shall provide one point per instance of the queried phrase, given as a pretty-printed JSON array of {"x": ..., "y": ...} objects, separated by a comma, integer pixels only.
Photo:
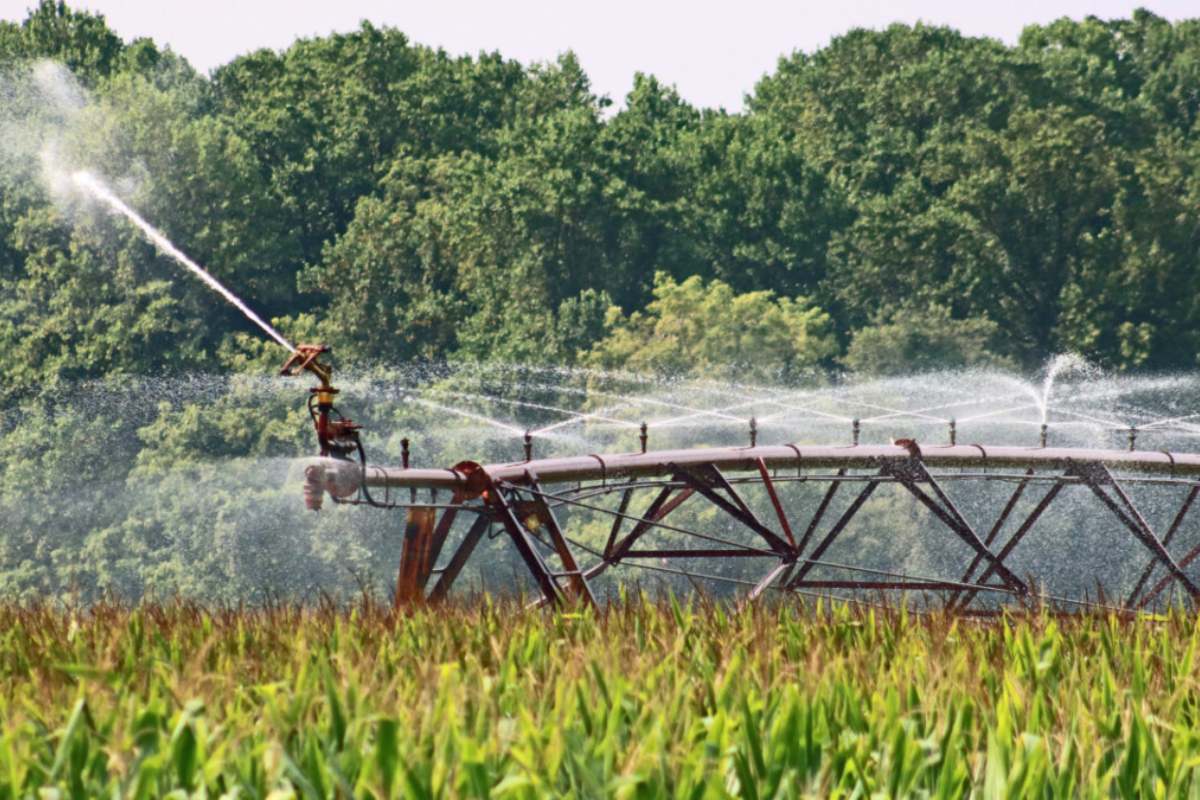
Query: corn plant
[{"x": 648, "y": 698}]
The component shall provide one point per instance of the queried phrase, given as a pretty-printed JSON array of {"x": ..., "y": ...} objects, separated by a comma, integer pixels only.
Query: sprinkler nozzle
[
  {"x": 855, "y": 430},
  {"x": 404, "y": 452},
  {"x": 307, "y": 357},
  {"x": 314, "y": 488},
  {"x": 644, "y": 435},
  {"x": 528, "y": 446},
  {"x": 327, "y": 477},
  {"x": 953, "y": 432},
  {"x": 337, "y": 436},
  {"x": 1044, "y": 433},
  {"x": 1133, "y": 432},
  {"x": 753, "y": 432}
]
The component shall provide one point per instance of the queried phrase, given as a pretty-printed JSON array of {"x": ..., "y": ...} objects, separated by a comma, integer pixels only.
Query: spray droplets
[
  {"x": 88, "y": 182},
  {"x": 45, "y": 115}
]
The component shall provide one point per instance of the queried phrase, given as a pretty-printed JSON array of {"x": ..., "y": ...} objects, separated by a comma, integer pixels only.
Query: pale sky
[{"x": 712, "y": 52}]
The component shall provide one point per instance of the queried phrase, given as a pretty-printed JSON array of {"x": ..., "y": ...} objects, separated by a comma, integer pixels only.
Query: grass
[{"x": 652, "y": 699}]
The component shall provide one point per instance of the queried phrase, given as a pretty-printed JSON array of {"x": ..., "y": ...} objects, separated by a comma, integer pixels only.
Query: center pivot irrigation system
[{"x": 636, "y": 494}]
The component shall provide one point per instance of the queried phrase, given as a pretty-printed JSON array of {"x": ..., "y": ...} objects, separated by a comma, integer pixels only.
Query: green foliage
[
  {"x": 648, "y": 700},
  {"x": 431, "y": 207},
  {"x": 87, "y": 304},
  {"x": 910, "y": 198},
  {"x": 81, "y": 41},
  {"x": 920, "y": 340},
  {"x": 699, "y": 329}
]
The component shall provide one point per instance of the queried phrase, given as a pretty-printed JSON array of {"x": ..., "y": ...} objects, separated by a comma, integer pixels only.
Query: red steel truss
[{"x": 525, "y": 500}]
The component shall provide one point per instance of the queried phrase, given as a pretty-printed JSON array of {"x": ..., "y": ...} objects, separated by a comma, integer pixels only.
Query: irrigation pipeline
[
  {"x": 782, "y": 541},
  {"x": 790, "y": 457},
  {"x": 523, "y": 498}
]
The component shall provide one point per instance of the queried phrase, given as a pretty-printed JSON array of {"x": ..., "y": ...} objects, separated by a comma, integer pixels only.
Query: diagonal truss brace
[
  {"x": 459, "y": 560},
  {"x": 1166, "y": 540},
  {"x": 502, "y": 507},
  {"x": 1097, "y": 477},
  {"x": 847, "y": 515},
  {"x": 1191, "y": 556},
  {"x": 706, "y": 480},
  {"x": 1009, "y": 507},
  {"x": 1019, "y": 534},
  {"x": 909, "y": 474},
  {"x": 579, "y": 582}
]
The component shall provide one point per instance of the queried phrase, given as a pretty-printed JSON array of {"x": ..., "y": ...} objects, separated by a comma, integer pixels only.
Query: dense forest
[
  {"x": 905, "y": 193},
  {"x": 899, "y": 200}
]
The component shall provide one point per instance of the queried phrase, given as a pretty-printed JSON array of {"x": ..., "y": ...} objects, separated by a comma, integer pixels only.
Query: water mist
[{"x": 87, "y": 181}]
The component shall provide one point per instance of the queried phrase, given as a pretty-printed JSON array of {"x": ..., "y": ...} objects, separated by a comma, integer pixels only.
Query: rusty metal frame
[
  {"x": 912, "y": 472},
  {"x": 502, "y": 508},
  {"x": 524, "y": 504},
  {"x": 961, "y": 600},
  {"x": 1097, "y": 477},
  {"x": 1166, "y": 540},
  {"x": 581, "y": 589},
  {"x": 796, "y": 580}
]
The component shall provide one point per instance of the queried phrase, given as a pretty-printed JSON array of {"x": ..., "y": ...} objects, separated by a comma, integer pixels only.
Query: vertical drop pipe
[{"x": 404, "y": 461}]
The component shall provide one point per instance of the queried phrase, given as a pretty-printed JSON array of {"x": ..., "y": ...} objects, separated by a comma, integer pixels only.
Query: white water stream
[{"x": 92, "y": 184}]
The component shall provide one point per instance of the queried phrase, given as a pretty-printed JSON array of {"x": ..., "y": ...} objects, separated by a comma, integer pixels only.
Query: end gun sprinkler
[{"x": 337, "y": 436}]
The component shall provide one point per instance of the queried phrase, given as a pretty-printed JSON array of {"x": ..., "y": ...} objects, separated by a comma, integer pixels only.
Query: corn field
[{"x": 653, "y": 698}]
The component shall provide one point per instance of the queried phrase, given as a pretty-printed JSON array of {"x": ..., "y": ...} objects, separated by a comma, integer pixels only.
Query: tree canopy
[
  {"x": 901, "y": 199},
  {"x": 426, "y": 206},
  {"x": 703, "y": 330}
]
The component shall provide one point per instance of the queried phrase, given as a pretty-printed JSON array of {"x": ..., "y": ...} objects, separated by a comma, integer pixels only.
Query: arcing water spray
[
  {"x": 338, "y": 437},
  {"x": 90, "y": 183}
]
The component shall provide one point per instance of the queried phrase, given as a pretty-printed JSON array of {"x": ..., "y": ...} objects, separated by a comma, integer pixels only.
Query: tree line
[{"x": 899, "y": 199}]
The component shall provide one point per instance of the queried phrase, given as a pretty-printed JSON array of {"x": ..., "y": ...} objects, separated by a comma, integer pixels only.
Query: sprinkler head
[
  {"x": 307, "y": 357},
  {"x": 326, "y": 476},
  {"x": 644, "y": 435},
  {"x": 753, "y": 431},
  {"x": 1133, "y": 432},
  {"x": 528, "y": 446},
  {"x": 1044, "y": 433},
  {"x": 314, "y": 487},
  {"x": 953, "y": 432},
  {"x": 855, "y": 429},
  {"x": 336, "y": 435}
]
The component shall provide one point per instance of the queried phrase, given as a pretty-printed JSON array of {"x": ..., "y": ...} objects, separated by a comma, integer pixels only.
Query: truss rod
[
  {"x": 1167, "y": 537},
  {"x": 588, "y": 490},
  {"x": 655, "y": 524}
]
